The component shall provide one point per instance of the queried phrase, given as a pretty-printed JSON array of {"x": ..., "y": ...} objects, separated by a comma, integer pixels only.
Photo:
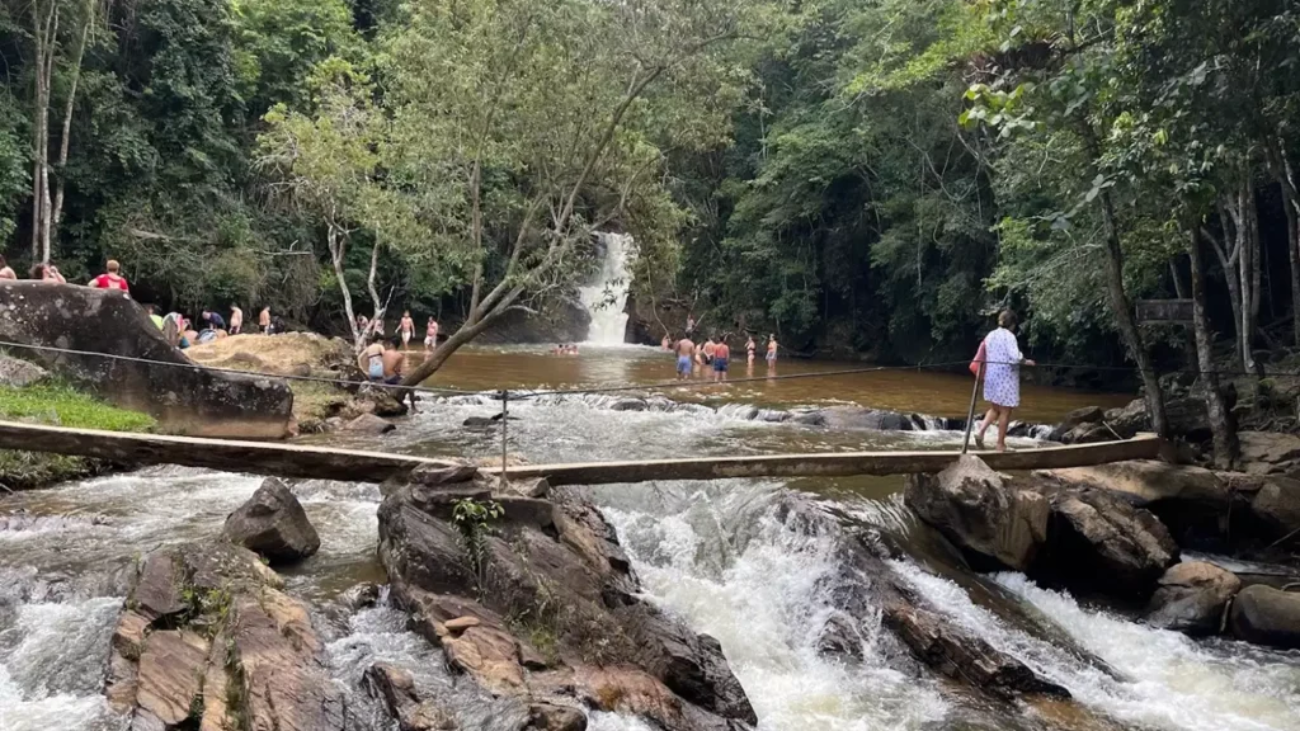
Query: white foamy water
[
  {"x": 606, "y": 298},
  {"x": 1168, "y": 681},
  {"x": 759, "y": 597}
]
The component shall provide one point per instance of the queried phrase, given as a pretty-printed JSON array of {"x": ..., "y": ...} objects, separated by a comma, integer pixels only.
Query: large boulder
[
  {"x": 588, "y": 637},
  {"x": 273, "y": 524},
  {"x": 1264, "y": 453},
  {"x": 1192, "y": 597},
  {"x": 1277, "y": 505},
  {"x": 1266, "y": 616},
  {"x": 377, "y": 400},
  {"x": 994, "y": 522},
  {"x": 207, "y": 640},
  {"x": 163, "y": 382},
  {"x": 16, "y": 373},
  {"x": 1187, "y": 414},
  {"x": 396, "y": 689},
  {"x": 1100, "y": 542},
  {"x": 368, "y": 424},
  {"x": 1193, "y": 502}
]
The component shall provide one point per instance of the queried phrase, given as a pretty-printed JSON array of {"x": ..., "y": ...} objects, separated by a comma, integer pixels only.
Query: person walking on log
[{"x": 1001, "y": 378}]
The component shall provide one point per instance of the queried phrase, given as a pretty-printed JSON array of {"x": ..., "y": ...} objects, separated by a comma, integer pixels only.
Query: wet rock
[
  {"x": 1192, "y": 597},
  {"x": 867, "y": 591},
  {"x": 273, "y": 524},
  {"x": 854, "y": 417},
  {"x": 1188, "y": 417},
  {"x": 840, "y": 638},
  {"x": 557, "y": 563},
  {"x": 165, "y": 672},
  {"x": 187, "y": 400},
  {"x": 1129, "y": 420},
  {"x": 1087, "y": 434},
  {"x": 1099, "y": 542},
  {"x": 368, "y": 424},
  {"x": 629, "y": 404},
  {"x": 1086, "y": 415},
  {"x": 431, "y": 476},
  {"x": 483, "y": 421},
  {"x": 377, "y": 400},
  {"x": 995, "y": 523},
  {"x": 1266, "y": 616},
  {"x": 16, "y": 373},
  {"x": 809, "y": 418},
  {"x": 1265, "y": 453},
  {"x": 1277, "y": 505},
  {"x": 396, "y": 689},
  {"x": 157, "y": 592},
  {"x": 548, "y": 717},
  {"x": 361, "y": 596}
]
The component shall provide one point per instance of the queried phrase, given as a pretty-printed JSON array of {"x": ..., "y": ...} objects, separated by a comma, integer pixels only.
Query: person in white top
[{"x": 1001, "y": 378}]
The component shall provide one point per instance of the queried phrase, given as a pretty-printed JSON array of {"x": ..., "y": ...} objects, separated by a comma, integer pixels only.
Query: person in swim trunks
[
  {"x": 685, "y": 353},
  {"x": 721, "y": 359}
]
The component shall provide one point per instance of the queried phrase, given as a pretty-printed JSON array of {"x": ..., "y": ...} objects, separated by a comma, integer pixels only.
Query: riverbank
[{"x": 54, "y": 403}]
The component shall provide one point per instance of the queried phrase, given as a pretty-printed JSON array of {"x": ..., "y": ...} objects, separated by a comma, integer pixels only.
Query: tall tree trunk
[
  {"x": 1221, "y": 427},
  {"x": 337, "y": 241},
  {"x": 44, "y": 26},
  {"x": 69, "y": 104},
  {"x": 1291, "y": 206},
  {"x": 1241, "y": 206}
]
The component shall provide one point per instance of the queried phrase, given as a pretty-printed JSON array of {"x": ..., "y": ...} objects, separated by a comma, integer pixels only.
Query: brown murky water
[{"x": 909, "y": 390}]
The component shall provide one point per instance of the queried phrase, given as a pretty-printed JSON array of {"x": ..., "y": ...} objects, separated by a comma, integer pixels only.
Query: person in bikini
[
  {"x": 721, "y": 359},
  {"x": 406, "y": 328},
  {"x": 685, "y": 353},
  {"x": 371, "y": 360}
]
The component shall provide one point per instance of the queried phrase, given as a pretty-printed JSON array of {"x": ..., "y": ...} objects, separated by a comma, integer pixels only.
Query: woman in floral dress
[{"x": 1001, "y": 378}]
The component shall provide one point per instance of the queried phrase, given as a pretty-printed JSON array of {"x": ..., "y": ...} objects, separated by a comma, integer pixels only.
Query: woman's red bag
[{"x": 981, "y": 356}]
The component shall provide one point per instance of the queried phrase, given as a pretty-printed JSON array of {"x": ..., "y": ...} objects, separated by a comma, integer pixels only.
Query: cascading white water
[{"x": 606, "y": 297}]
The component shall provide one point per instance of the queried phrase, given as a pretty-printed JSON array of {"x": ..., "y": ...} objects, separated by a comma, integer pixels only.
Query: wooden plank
[
  {"x": 328, "y": 463},
  {"x": 831, "y": 465},
  {"x": 263, "y": 458}
]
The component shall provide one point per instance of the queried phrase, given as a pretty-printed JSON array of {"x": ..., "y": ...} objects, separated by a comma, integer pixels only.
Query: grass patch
[
  {"x": 314, "y": 400},
  {"x": 62, "y": 406}
]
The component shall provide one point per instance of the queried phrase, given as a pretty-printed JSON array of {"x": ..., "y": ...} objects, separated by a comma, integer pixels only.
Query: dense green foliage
[{"x": 856, "y": 176}]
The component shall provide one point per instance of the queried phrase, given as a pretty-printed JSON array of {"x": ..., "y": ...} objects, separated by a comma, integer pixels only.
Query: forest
[{"x": 866, "y": 177}]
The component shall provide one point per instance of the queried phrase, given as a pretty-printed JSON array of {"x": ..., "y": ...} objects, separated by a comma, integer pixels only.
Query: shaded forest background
[{"x": 859, "y": 177}]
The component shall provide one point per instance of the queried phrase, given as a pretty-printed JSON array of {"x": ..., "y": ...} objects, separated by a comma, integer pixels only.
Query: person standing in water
[
  {"x": 721, "y": 359},
  {"x": 685, "y": 358},
  {"x": 264, "y": 320},
  {"x": 771, "y": 350},
  {"x": 1003, "y": 359},
  {"x": 431, "y": 335},
  {"x": 371, "y": 360},
  {"x": 406, "y": 328},
  {"x": 710, "y": 348},
  {"x": 236, "y": 319},
  {"x": 750, "y": 347}
]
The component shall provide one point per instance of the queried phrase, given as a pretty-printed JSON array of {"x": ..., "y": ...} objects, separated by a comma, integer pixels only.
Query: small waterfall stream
[{"x": 606, "y": 297}]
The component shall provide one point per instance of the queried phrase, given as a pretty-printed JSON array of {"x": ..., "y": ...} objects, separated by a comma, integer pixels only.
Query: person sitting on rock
[
  {"x": 154, "y": 316},
  {"x": 111, "y": 279}
]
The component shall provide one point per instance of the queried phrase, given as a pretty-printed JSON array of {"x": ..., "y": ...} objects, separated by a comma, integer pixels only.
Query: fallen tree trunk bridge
[{"x": 332, "y": 463}]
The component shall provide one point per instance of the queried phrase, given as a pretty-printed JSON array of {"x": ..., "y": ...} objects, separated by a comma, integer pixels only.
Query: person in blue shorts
[
  {"x": 721, "y": 357},
  {"x": 685, "y": 358}
]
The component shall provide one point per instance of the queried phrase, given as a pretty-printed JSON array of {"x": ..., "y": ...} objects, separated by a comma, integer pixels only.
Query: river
[{"x": 711, "y": 553}]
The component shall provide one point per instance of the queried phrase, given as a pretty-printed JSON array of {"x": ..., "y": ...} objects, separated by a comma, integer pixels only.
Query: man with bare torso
[
  {"x": 721, "y": 358},
  {"x": 685, "y": 358}
]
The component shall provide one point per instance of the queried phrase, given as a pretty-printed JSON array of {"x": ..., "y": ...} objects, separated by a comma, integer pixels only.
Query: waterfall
[{"x": 605, "y": 299}]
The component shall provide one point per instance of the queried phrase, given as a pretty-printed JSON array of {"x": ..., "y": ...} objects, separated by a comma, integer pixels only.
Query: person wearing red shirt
[{"x": 111, "y": 279}]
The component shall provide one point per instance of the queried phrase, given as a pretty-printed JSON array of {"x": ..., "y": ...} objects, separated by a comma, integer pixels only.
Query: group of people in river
[
  {"x": 368, "y": 328},
  {"x": 713, "y": 357}
]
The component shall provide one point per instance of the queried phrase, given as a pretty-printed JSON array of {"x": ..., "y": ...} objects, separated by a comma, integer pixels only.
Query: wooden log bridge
[{"x": 330, "y": 463}]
